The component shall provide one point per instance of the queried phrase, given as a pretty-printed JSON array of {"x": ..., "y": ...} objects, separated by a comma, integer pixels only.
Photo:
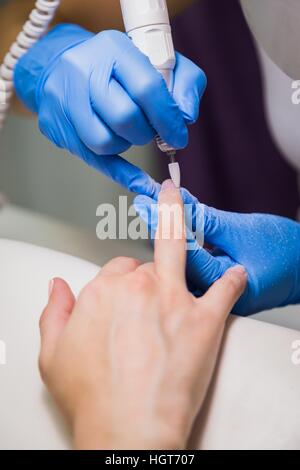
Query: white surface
[
  {"x": 27, "y": 226},
  {"x": 288, "y": 317},
  {"x": 28, "y": 419},
  {"x": 255, "y": 399}
]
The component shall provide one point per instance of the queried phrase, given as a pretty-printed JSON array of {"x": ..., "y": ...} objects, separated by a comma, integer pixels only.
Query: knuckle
[
  {"x": 212, "y": 323},
  {"x": 111, "y": 35},
  {"x": 142, "y": 281},
  {"x": 130, "y": 263},
  {"x": 211, "y": 317},
  {"x": 149, "y": 85},
  {"x": 90, "y": 296},
  {"x": 201, "y": 78},
  {"x": 43, "y": 318},
  {"x": 69, "y": 58},
  {"x": 100, "y": 146},
  {"x": 126, "y": 123},
  {"x": 126, "y": 117},
  {"x": 43, "y": 367},
  {"x": 106, "y": 144},
  {"x": 174, "y": 298},
  {"x": 211, "y": 313}
]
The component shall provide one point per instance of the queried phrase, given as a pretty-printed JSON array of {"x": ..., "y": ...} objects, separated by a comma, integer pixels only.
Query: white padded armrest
[
  {"x": 254, "y": 399},
  {"x": 254, "y": 402}
]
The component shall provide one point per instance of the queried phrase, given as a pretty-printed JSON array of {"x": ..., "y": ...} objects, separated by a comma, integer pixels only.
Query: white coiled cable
[{"x": 34, "y": 28}]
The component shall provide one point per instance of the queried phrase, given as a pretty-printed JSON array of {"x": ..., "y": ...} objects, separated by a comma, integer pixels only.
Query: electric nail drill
[{"x": 147, "y": 23}]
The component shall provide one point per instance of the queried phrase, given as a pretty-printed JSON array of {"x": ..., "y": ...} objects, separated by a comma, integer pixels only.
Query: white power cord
[{"x": 34, "y": 28}]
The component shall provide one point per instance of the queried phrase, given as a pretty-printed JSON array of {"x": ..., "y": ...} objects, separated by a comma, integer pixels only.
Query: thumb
[
  {"x": 223, "y": 294},
  {"x": 54, "y": 318}
]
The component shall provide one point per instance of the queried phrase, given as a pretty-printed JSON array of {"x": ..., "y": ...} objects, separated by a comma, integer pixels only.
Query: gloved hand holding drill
[{"x": 96, "y": 95}]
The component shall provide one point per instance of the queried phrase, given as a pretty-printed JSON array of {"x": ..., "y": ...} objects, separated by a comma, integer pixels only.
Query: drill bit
[{"x": 174, "y": 168}]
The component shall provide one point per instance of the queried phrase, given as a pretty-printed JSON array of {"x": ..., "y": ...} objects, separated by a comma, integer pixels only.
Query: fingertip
[
  {"x": 169, "y": 194},
  {"x": 226, "y": 291},
  {"x": 60, "y": 293},
  {"x": 239, "y": 271},
  {"x": 238, "y": 277},
  {"x": 168, "y": 185},
  {"x": 54, "y": 319},
  {"x": 57, "y": 284},
  {"x": 53, "y": 285}
]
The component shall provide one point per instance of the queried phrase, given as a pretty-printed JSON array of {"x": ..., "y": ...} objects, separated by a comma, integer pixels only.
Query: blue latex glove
[
  {"x": 267, "y": 246},
  {"x": 96, "y": 95}
]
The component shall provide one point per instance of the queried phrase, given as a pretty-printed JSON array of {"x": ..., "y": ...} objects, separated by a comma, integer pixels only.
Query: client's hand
[{"x": 131, "y": 360}]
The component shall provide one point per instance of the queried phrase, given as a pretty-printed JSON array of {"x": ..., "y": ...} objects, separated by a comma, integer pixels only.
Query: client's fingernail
[
  {"x": 168, "y": 184},
  {"x": 50, "y": 287},
  {"x": 239, "y": 270}
]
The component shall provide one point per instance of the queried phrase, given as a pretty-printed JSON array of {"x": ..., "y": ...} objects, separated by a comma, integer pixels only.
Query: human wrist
[
  {"x": 96, "y": 430},
  {"x": 93, "y": 438},
  {"x": 33, "y": 69}
]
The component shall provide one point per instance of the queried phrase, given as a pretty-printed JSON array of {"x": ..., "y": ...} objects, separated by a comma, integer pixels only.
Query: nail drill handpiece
[{"x": 147, "y": 23}]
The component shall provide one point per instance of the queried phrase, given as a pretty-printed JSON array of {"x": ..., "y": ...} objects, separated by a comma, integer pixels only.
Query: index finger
[{"x": 170, "y": 239}]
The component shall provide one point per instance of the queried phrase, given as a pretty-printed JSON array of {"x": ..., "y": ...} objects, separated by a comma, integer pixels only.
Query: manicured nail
[
  {"x": 50, "y": 287},
  {"x": 167, "y": 185}
]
